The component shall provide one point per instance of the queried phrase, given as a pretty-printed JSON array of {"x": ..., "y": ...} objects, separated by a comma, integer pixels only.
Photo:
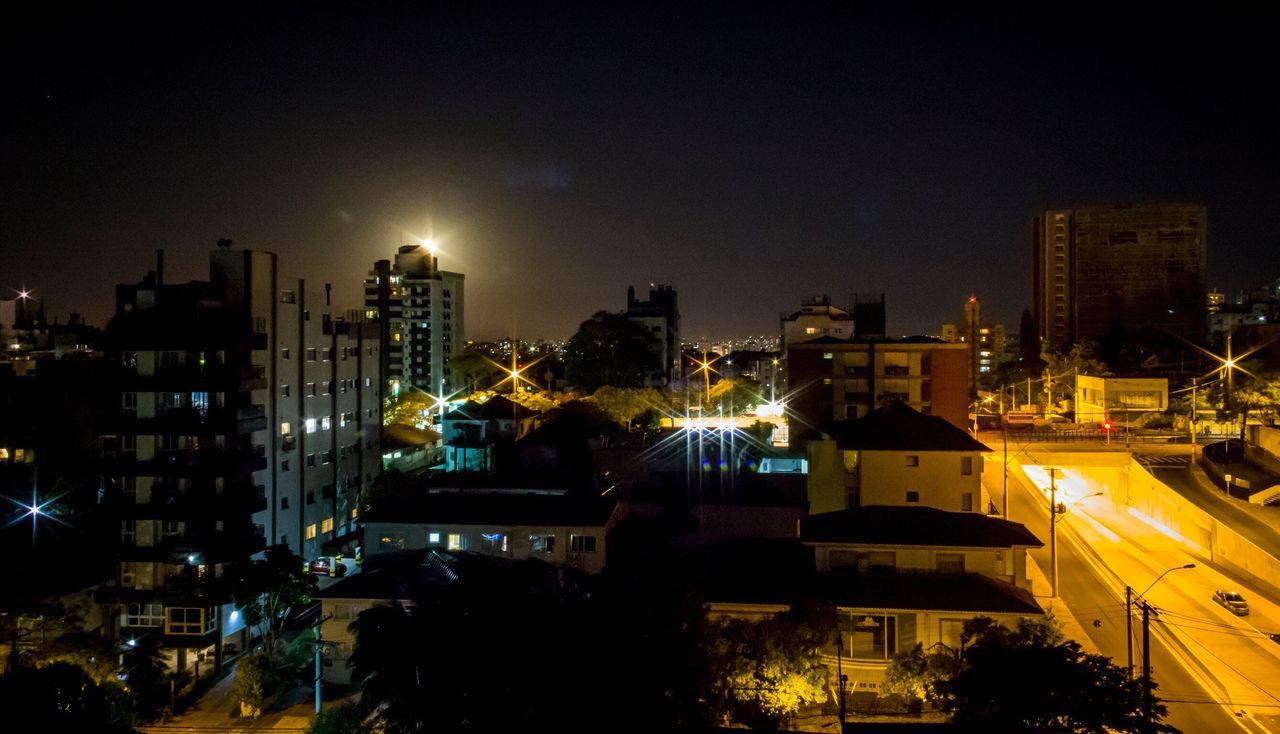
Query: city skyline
[{"x": 697, "y": 148}]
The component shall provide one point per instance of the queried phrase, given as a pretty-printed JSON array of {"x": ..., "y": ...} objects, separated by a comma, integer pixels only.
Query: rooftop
[
  {"x": 477, "y": 507},
  {"x": 899, "y": 427},
  {"x": 922, "y": 526}
]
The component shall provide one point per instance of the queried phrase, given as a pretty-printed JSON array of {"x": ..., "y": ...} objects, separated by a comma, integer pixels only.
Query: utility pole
[
  {"x": 1146, "y": 663},
  {"x": 1194, "y": 415},
  {"x": 840, "y": 679},
  {"x": 1053, "y": 531},
  {"x": 319, "y": 648},
  {"x": 1128, "y": 628}
]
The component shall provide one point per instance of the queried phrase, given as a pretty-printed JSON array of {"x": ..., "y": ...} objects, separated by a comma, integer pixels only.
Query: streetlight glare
[{"x": 430, "y": 244}]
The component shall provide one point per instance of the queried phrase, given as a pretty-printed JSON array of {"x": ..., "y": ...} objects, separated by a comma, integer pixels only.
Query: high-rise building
[
  {"x": 868, "y": 316},
  {"x": 1120, "y": 267},
  {"x": 660, "y": 316},
  {"x": 986, "y": 342},
  {"x": 418, "y": 308},
  {"x": 248, "y": 414}
]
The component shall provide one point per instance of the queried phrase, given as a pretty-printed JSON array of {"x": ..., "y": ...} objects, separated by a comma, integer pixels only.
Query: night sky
[{"x": 564, "y": 152}]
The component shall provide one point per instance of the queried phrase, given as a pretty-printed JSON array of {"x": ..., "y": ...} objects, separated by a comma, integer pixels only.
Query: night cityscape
[{"x": 563, "y": 367}]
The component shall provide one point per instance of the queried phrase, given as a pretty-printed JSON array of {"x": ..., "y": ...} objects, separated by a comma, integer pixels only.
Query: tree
[
  {"x": 1028, "y": 337},
  {"x": 62, "y": 697},
  {"x": 344, "y": 719},
  {"x": 255, "y": 682},
  {"x": 1030, "y": 679},
  {"x": 732, "y": 397},
  {"x": 611, "y": 349},
  {"x": 268, "y": 590},
  {"x": 1260, "y": 396},
  {"x": 478, "y": 371},
  {"x": 625, "y": 404},
  {"x": 917, "y": 675},
  {"x": 1063, "y": 368},
  {"x": 145, "y": 673},
  {"x": 762, "y": 672}
]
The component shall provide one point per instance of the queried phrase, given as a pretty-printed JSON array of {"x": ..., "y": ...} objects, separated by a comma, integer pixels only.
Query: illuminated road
[{"x": 1089, "y": 590}]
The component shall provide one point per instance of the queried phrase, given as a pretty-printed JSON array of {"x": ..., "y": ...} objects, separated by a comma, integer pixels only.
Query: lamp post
[
  {"x": 1053, "y": 532},
  {"x": 1129, "y": 601}
]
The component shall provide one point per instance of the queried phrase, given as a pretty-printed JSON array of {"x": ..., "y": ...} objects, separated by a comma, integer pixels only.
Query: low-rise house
[
  {"x": 897, "y": 576},
  {"x": 476, "y": 434},
  {"x": 896, "y": 455},
  {"x": 408, "y": 579},
  {"x": 1120, "y": 399},
  {"x": 557, "y": 528}
]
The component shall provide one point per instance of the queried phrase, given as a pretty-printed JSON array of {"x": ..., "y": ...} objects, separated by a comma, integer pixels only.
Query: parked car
[
  {"x": 328, "y": 566},
  {"x": 1233, "y": 602}
]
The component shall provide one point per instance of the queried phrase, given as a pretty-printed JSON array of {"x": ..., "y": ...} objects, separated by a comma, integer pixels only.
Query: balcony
[{"x": 196, "y": 462}]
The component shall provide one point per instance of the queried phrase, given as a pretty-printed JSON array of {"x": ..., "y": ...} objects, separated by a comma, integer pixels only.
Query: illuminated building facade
[
  {"x": 986, "y": 345},
  {"x": 419, "y": 309}
]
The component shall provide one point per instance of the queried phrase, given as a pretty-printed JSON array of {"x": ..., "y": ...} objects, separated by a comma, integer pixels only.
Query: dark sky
[{"x": 564, "y": 152}]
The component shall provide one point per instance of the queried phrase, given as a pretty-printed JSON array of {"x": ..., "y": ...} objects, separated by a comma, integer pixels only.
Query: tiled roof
[
  {"x": 899, "y": 427},
  {"x": 476, "y": 507},
  {"x": 919, "y": 526}
]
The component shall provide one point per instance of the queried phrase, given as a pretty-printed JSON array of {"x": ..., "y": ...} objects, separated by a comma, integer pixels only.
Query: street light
[
  {"x": 1054, "y": 510},
  {"x": 1129, "y": 601}
]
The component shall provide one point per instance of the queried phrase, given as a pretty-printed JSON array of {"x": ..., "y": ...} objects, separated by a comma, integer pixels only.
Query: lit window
[
  {"x": 391, "y": 541},
  {"x": 810, "y": 330},
  {"x": 311, "y": 425},
  {"x": 456, "y": 542},
  {"x": 433, "y": 538},
  {"x": 326, "y": 525},
  {"x": 326, "y": 423},
  {"x": 311, "y": 531},
  {"x": 285, "y": 428}
]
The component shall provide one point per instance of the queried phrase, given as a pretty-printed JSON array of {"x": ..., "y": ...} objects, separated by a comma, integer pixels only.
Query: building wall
[
  {"x": 1008, "y": 565},
  {"x": 1098, "y": 398},
  {"x": 515, "y": 541},
  {"x": 847, "y": 381},
  {"x": 1097, "y": 269},
  {"x": 338, "y": 615},
  {"x": 885, "y": 477}
]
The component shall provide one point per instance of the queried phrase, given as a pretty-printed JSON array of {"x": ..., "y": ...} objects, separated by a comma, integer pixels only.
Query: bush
[{"x": 256, "y": 681}]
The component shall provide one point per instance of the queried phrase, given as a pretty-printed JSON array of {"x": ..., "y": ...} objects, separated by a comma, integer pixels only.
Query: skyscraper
[
  {"x": 419, "y": 309},
  {"x": 1120, "y": 267},
  {"x": 986, "y": 344}
]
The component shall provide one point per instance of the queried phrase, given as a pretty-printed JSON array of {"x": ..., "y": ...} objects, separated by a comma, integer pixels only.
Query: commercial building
[
  {"x": 660, "y": 317},
  {"x": 419, "y": 310},
  {"x": 247, "y": 414},
  {"x": 830, "y": 379},
  {"x": 1120, "y": 399},
  {"x": 1120, "y": 267},
  {"x": 986, "y": 342}
]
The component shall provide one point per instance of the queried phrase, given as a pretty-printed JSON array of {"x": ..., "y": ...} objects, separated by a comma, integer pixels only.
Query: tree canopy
[
  {"x": 610, "y": 349},
  {"x": 1031, "y": 679},
  {"x": 268, "y": 589}
]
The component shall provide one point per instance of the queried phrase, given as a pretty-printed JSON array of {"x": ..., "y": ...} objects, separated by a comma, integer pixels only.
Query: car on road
[
  {"x": 1233, "y": 602},
  {"x": 328, "y": 566}
]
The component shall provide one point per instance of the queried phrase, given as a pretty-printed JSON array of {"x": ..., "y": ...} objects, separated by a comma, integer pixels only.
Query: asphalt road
[
  {"x": 1090, "y": 598},
  {"x": 1210, "y": 499}
]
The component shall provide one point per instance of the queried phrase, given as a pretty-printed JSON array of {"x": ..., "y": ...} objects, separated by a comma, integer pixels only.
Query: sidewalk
[
  {"x": 1071, "y": 626},
  {"x": 292, "y": 711}
]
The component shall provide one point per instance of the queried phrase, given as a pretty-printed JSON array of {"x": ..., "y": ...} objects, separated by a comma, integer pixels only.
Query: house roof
[
  {"x": 920, "y": 526},
  {"x": 899, "y": 427},
  {"x": 406, "y": 576},
  {"x": 484, "y": 508},
  {"x": 495, "y": 408},
  {"x": 401, "y": 436},
  {"x": 781, "y": 572}
]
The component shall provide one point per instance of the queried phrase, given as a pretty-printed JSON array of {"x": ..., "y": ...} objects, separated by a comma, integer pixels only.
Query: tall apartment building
[
  {"x": 418, "y": 308},
  {"x": 834, "y": 380},
  {"x": 986, "y": 342},
  {"x": 248, "y": 414},
  {"x": 1134, "y": 267},
  {"x": 660, "y": 316}
]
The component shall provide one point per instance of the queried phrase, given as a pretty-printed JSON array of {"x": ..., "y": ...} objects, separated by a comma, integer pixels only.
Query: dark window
[{"x": 913, "y": 496}]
